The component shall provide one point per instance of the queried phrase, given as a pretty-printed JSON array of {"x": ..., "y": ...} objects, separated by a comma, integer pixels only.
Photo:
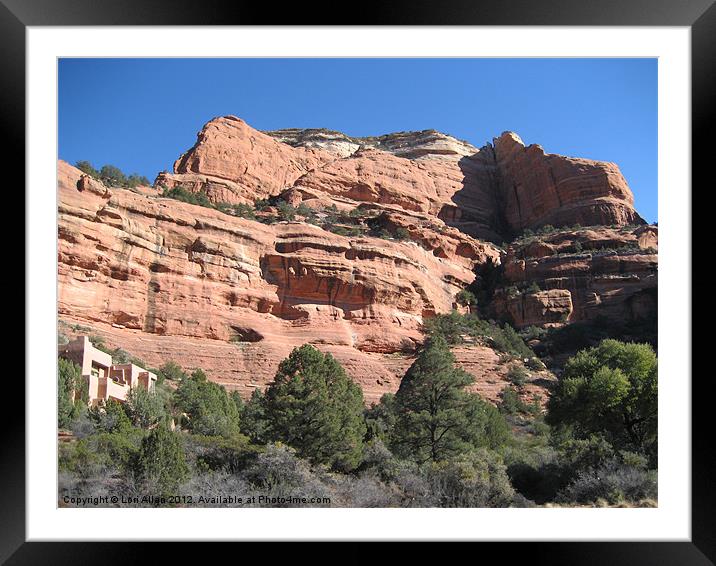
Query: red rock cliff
[{"x": 169, "y": 280}]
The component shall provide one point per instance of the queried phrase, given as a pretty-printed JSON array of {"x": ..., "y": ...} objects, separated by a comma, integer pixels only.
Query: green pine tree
[
  {"x": 161, "y": 460},
  {"x": 313, "y": 406},
  {"x": 436, "y": 418},
  {"x": 71, "y": 392},
  {"x": 254, "y": 422},
  {"x": 209, "y": 408}
]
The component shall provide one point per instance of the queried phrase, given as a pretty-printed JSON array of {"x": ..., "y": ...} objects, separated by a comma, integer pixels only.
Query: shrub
[
  {"x": 474, "y": 479},
  {"x": 510, "y": 402},
  {"x": 171, "y": 371},
  {"x": 506, "y": 339},
  {"x": 504, "y": 358},
  {"x": 517, "y": 375},
  {"x": 101, "y": 453},
  {"x": 533, "y": 333},
  {"x": 88, "y": 168},
  {"x": 286, "y": 211},
  {"x": 262, "y": 204},
  {"x": 216, "y": 453},
  {"x": 120, "y": 356},
  {"x": 145, "y": 409},
  {"x": 203, "y": 489},
  {"x": 209, "y": 409},
  {"x": 242, "y": 210},
  {"x": 465, "y": 297},
  {"x": 453, "y": 326},
  {"x": 380, "y": 460},
  {"x": 305, "y": 211},
  {"x": 79, "y": 458},
  {"x": 109, "y": 416},
  {"x": 185, "y": 195},
  {"x": 401, "y": 233},
  {"x": 615, "y": 482},
  {"x": 340, "y": 230},
  {"x": 535, "y": 364},
  {"x": 112, "y": 176},
  {"x": 380, "y": 418},
  {"x": 281, "y": 475}
]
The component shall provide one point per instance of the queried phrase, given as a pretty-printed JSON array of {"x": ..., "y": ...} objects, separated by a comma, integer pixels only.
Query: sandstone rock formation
[
  {"x": 168, "y": 272},
  {"x": 232, "y": 162},
  {"x": 582, "y": 274},
  {"x": 539, "y": 188},
  {"x": 413, "y": 145},
  {"x": 167, "y": 280},
  {"x": 491, "y": 193}
]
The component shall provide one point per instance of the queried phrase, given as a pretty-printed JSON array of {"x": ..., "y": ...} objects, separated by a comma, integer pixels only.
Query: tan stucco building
[{"x": 105, "y": 380}]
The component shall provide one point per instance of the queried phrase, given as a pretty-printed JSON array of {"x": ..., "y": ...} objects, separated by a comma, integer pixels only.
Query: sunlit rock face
[{"x": 167, "y": 280}]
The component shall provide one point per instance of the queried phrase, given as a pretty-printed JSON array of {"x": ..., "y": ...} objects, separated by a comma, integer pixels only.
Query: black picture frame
[{"x": 699, "y": 15}]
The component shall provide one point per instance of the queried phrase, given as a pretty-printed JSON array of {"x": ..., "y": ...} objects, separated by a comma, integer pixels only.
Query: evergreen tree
[
  {"x": 238, "y": 401},
  {"x": 380, "y": 418},
  {"x": 112, "y": 176},
  {"x": 254, "y": 422},
  {"x": 110, "y": 416},
  {"x": 87, "y": 167},
  {"x": 144, "y": 408},
  {"x": 436, "y": 417},
  {"x": 171, "y": 371},
  {"x": 161, "y": 460},
  {"x": 313, "y": 406},
  {"x": 71, "y": 392},
  {"x": 209, "y": 409}
]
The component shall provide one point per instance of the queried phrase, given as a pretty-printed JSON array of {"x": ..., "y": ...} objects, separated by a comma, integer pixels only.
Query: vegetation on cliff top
[{"x": 112, "y": 176}]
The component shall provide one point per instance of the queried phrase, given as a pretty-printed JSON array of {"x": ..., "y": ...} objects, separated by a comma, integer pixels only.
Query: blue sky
[{"x": 141, "y": 114}]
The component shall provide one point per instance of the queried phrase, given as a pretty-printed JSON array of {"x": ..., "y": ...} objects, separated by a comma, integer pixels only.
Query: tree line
[{"x": 432, "y": 443}]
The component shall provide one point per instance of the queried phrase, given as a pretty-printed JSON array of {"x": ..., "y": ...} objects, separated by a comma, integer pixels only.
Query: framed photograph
[{"x": 396, "y": 280}]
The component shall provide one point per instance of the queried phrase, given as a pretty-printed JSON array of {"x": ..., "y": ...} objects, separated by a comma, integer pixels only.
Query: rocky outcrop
[
  {"x": 580, "y": 275},
  {"x": 232, "y": 162},
  {"x": 427, "y": 144},
  {"x": 541, "y": 308},
  {"x": 540, "y": 188},
  {"x": 490, "y": 193}
]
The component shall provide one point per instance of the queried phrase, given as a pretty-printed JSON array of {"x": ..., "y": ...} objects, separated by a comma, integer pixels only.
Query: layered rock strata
[
  {"x": 165, "y": 279},
  {"x": 579, "y": 275}
]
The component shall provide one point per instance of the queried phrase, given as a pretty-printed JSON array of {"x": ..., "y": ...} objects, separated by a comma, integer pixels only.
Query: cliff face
[
  {"x": 540, "y": 188},
  {"x": 491, "y": 193},
  {"x": 150, "y": 267},
  {"x": 581, "y": 274},
  {"x": 169, "y": 280}
]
